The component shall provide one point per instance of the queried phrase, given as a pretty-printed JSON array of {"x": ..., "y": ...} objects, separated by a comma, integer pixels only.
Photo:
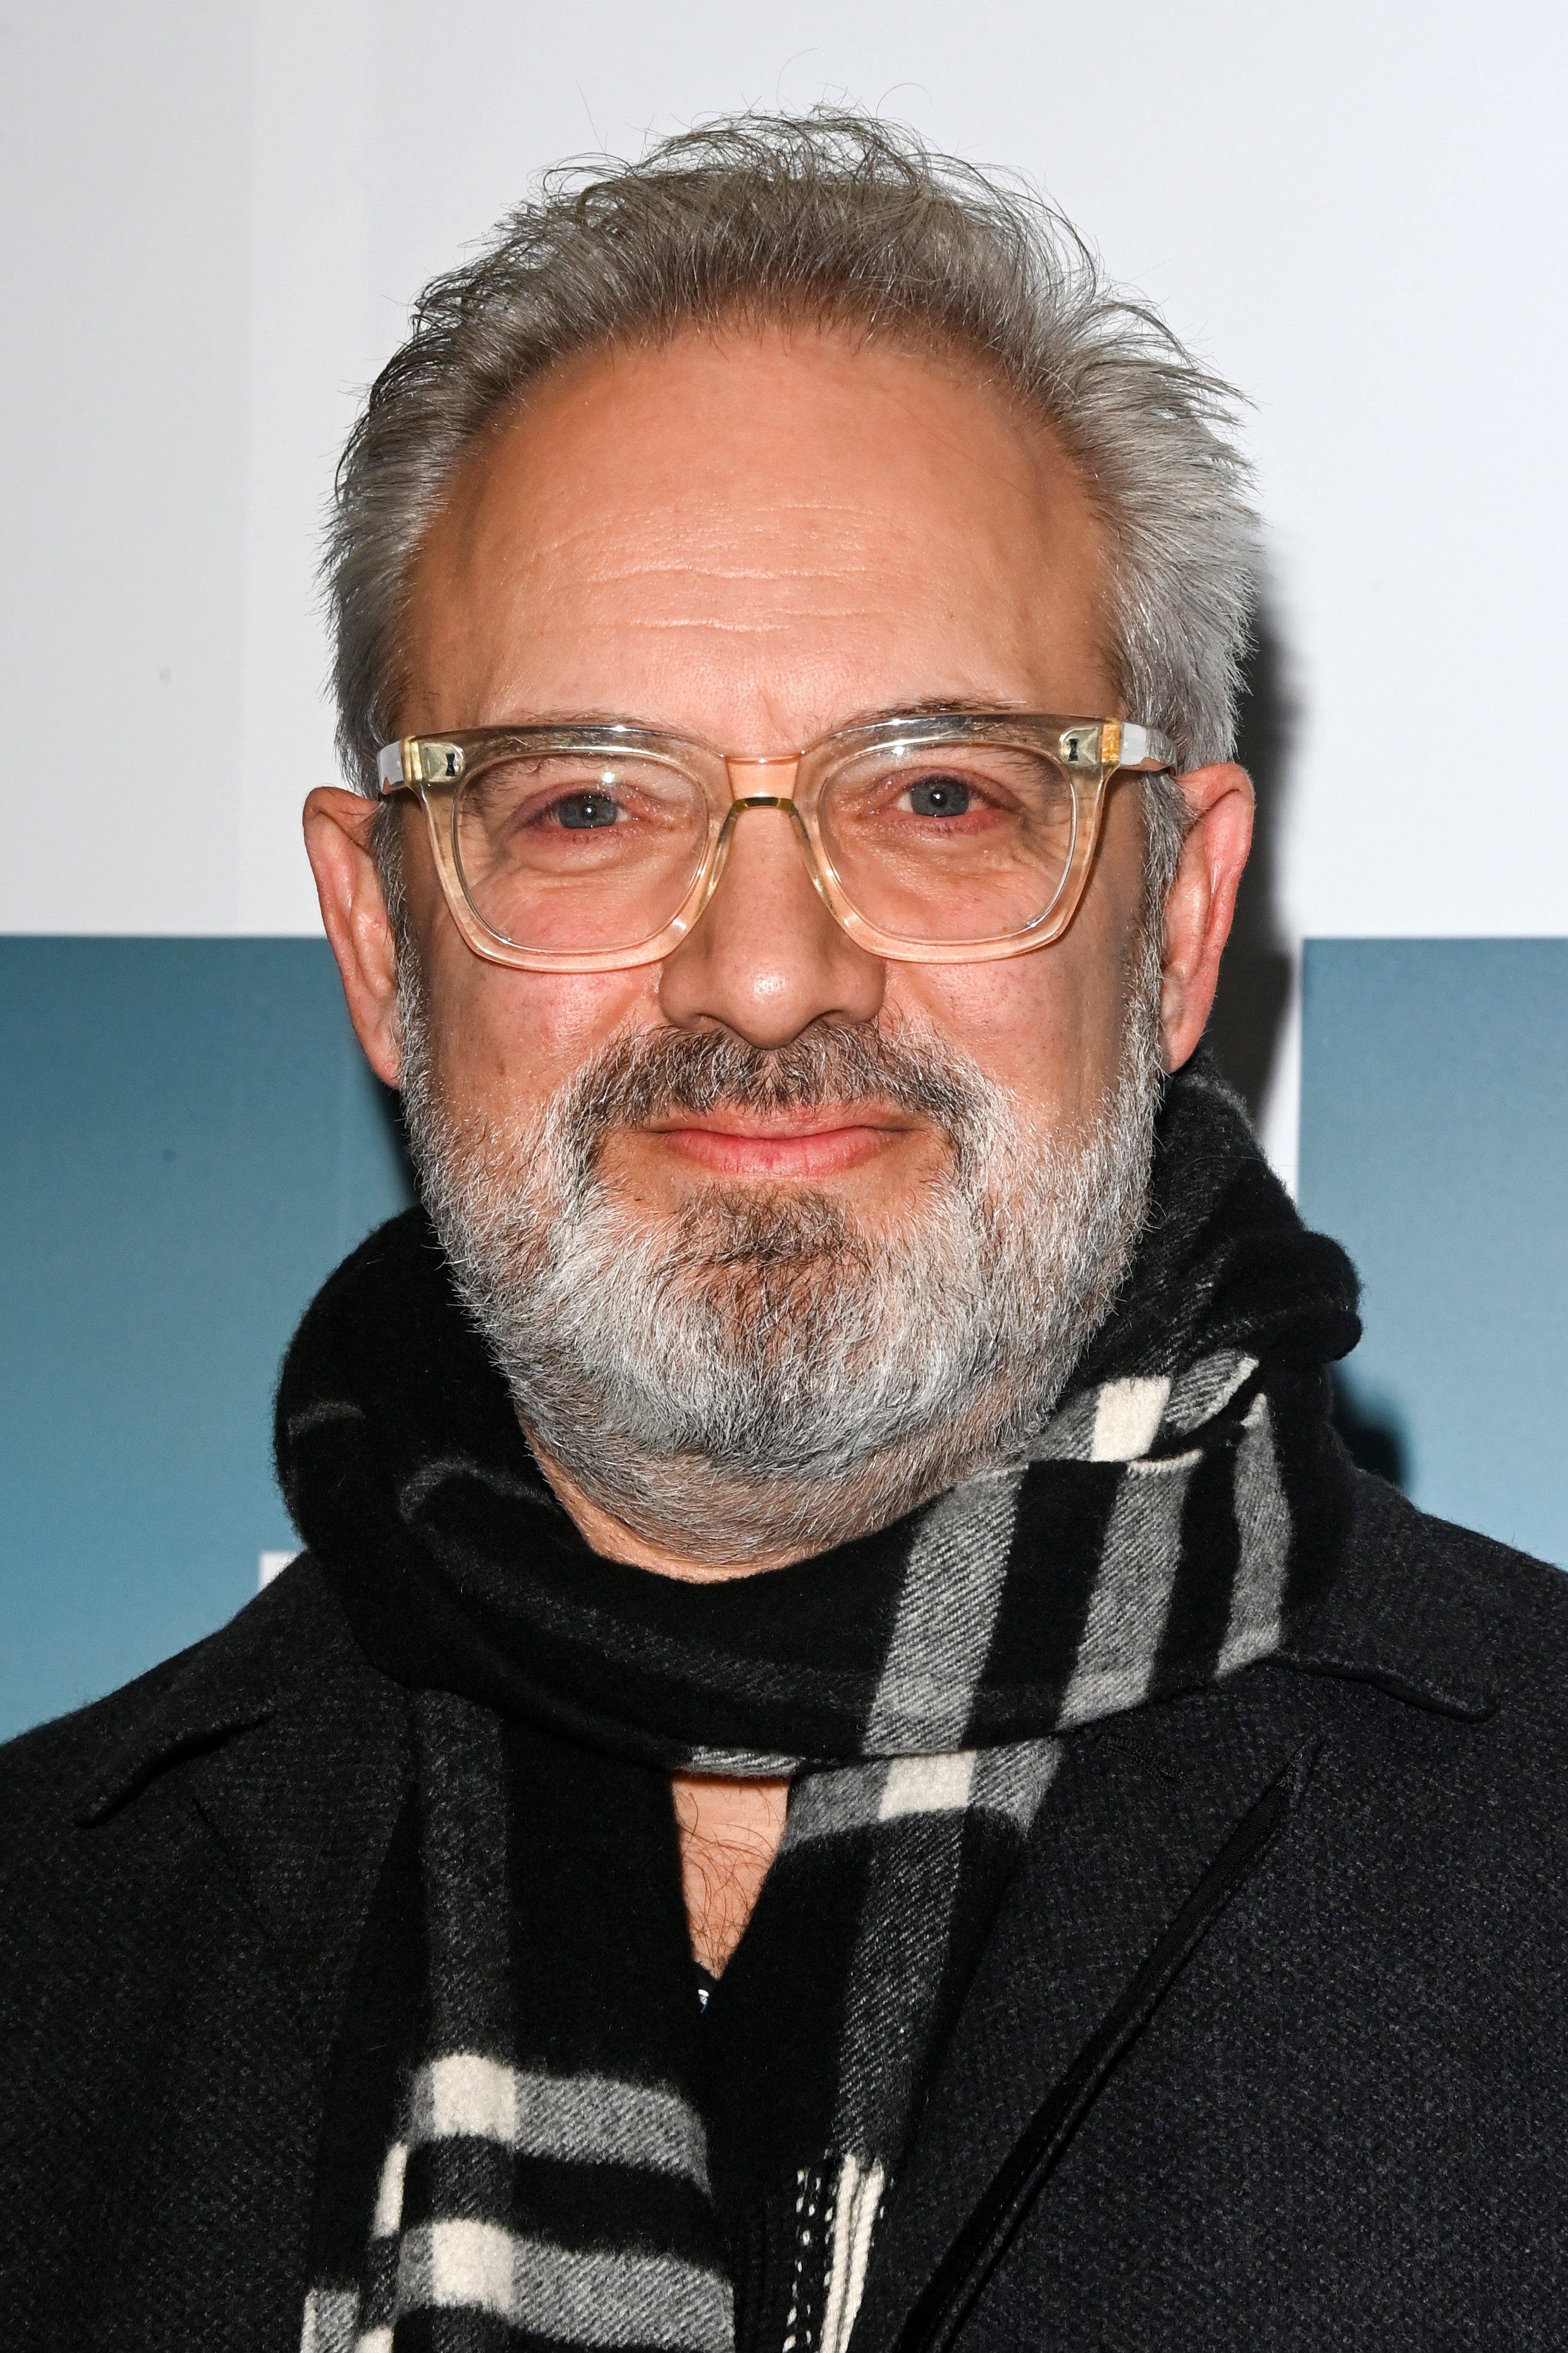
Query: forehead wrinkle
[
  {"x": 761, "y": 626},
  {"x": 780, "y": 568},
  {"x": 762, "y": 511},
  {"x": 556, "y": 511},
  {"x": 687, "y": 580},
  {"x": 640, "y": 554}
]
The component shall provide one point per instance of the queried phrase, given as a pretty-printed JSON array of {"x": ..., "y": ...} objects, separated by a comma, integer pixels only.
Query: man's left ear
[{"x": 1202, "y": 901}]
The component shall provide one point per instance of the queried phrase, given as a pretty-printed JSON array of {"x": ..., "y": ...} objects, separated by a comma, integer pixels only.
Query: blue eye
[
  {"x": 939, "y": 797},
  {"x": 580, "y": 810}
]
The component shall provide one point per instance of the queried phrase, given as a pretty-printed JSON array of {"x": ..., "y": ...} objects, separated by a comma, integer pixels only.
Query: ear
[
  {"x": 338, "y": 831},
  {"x": 1202, "y": 901}
]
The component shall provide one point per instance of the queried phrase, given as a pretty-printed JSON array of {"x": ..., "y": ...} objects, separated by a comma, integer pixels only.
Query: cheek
[
  {"x": 503, "y": 1042},
  {"x": 1028, "y": 1025},
  {"x": 506, "y": 1041},
  {"x": 1047, "y": 1027}
]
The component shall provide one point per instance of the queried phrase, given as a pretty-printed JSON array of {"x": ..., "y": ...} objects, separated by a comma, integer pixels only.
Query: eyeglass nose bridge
[
  {"x": 741, "y": 772},
  {"x": 764, "y": 765}
]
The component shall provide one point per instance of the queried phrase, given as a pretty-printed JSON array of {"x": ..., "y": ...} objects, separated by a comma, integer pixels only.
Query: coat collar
[
  {"x": 1402, "y": 1615},
  {"x": 238, "y": 1678},
  {"x": 297, "y": 1756}
]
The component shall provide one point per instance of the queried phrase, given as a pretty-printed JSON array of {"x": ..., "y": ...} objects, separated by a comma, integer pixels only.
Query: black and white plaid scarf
[{"x": 534, "y": 2131}]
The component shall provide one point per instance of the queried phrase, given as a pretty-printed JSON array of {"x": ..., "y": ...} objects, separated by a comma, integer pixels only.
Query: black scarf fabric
[{"x": 535, "y": 2135}]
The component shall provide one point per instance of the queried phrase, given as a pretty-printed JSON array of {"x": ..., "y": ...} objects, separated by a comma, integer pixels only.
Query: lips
[{"x": 781, "y": 1144}]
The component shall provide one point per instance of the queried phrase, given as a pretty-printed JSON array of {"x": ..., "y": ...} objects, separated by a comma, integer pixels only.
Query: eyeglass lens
[{"x": 590, "y": 851}]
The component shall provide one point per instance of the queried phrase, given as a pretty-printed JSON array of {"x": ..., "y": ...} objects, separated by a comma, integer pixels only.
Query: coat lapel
[
  {"x": 1141, "y": 1809},
  {"x": 305, "y": 1806},
  {"x": 1138, "y": 1813}
]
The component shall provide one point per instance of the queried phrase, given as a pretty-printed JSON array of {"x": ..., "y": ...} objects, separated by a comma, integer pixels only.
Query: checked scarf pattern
[{"x": 534, "y": 2135}]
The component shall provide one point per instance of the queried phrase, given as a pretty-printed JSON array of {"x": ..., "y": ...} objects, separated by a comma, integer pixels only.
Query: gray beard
[{"x": 763, "y": 1373}]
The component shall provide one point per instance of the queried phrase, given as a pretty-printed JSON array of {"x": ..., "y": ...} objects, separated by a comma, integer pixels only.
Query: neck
[
  {"x": 729, "y": 1830},
  {"x": 748, "y": 1529},
  {"x": 616, "y": 1540}
]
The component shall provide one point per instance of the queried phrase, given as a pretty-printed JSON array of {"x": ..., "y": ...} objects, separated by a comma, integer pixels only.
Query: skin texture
[{"x": 755, "y": 539}]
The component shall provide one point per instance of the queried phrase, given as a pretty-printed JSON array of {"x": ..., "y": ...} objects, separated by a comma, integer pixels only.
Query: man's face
[{"x": 757, "y": 540}]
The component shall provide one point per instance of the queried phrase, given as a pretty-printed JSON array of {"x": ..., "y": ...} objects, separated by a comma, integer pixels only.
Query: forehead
[{"x": 758, "y": 532}]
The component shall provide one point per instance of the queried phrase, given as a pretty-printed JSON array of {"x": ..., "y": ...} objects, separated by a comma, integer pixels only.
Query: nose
[{"x": 767, "y": 958}]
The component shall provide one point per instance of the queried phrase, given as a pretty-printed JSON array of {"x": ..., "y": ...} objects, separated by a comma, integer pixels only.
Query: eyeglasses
[{"x": 945, "y": 840}]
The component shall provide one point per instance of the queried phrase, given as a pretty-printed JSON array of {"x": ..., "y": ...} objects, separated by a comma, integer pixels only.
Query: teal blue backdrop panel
[
  {"x": 1435, "y": 1144},
  {"x": 189, "y": 1140}
]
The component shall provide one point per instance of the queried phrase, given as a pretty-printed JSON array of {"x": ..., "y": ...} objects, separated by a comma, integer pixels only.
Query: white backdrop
[{"x": 217, "y": 216}]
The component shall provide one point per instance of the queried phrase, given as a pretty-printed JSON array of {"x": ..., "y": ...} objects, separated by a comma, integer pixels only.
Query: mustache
[{"x": 654, "y": 1074}]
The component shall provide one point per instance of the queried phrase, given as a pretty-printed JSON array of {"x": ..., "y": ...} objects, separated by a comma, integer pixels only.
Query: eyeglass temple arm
[
  {"x": 1123, "y": 744},
  {"x": 415, "y": 760}
]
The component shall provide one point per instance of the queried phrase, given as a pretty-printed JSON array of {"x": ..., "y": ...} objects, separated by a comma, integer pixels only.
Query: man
[{"x": 847, "y": 1754}]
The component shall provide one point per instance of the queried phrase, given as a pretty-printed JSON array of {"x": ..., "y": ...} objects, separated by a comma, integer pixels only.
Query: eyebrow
[
  {"x": 945, "y": 706},
  {"x": 934, "y": 706}
]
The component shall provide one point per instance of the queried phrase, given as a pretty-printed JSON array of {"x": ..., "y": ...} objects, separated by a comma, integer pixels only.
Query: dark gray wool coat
[{"x": 1267, "y": 2048}]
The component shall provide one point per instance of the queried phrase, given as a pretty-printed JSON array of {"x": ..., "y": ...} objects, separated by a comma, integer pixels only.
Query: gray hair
[{"x": 838, "y": 220}]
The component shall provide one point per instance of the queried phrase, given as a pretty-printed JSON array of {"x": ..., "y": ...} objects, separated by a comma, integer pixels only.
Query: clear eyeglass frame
[{"x": 434, "y": 768}]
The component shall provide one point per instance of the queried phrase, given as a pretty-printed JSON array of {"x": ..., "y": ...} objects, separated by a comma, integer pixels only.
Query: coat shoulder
[
  {"x": 290, "y": 1642},
  {"x": 186, "y": 1866},
  {"x": 1441, "y": 1612}
]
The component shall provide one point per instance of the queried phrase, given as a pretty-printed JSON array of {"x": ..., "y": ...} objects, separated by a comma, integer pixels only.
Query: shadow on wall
[
  {"x": 1248, "y": 1018},
  {"x": 1249, "y": 1015},
  {"x": 1373, "y": 1438}
]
